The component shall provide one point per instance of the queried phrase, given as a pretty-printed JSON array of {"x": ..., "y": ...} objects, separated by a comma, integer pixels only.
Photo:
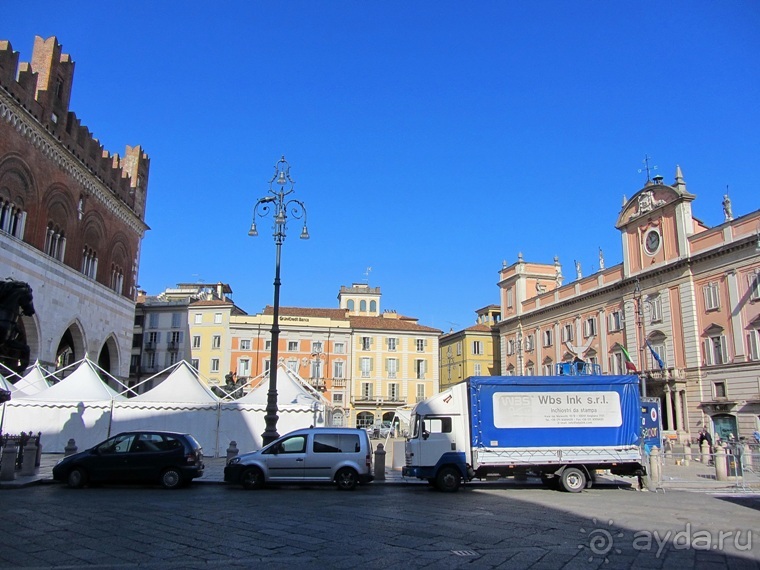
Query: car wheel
[
  {"x": 77, "y": 478},
  {"x": 252, "y": 478},
  {"x": 573, "y": 480},
  {"x": 346, "y": 479},
  {"x": 448, "y": 479},
  {"x": 171, "y": 478}
]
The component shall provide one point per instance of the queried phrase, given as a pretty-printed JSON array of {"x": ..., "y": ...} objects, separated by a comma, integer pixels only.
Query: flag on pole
[
  {"x": 629, "y": 365},
  {"x": 656, "y": 356}
]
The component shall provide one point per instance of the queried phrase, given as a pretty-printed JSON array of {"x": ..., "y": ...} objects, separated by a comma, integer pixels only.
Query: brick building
[{"x": 71, "y": 215}]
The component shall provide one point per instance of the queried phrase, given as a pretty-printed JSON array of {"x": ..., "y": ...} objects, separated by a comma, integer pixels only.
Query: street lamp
[{"x": 280, "y": 187}]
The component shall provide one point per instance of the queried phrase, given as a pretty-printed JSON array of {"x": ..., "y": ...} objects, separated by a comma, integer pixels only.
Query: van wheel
[
  {"x": 252, "y": 479},
  {"x": 448, "y": 479},
  {"x": 346, "y": 479},
  {"x": 573, "y": 480},
  {"x": 77, "y": 478},
  {"x": 172, "y": 478}
]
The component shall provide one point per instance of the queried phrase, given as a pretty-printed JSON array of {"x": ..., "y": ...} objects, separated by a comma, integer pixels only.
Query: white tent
[
  {"x": 182, "y": 403},
  {"x": 78, "y": 407},
  {"x": 34, "y": 381},
  {"x": 299, "y": 406}
]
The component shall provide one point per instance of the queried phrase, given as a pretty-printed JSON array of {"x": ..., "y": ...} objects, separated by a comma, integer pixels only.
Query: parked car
[
  {"x": 171, "y": 459},
  {"x": 380, "y": 430},
  {"x": 342, "y": 456}
]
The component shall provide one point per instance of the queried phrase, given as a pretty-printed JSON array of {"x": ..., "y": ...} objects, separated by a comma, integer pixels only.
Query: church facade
[{"x": 682, "y": 310}]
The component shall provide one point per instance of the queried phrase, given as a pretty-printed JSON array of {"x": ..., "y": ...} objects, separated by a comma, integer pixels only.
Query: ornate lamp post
[{"x": 277, "y": 201}]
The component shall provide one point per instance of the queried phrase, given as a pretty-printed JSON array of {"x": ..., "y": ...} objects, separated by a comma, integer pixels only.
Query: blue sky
[{"x": 429, "y": 140}]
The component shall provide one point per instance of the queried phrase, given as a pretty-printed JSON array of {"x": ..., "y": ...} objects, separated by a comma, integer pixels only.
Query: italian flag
[{"x": 629, "y": 365}]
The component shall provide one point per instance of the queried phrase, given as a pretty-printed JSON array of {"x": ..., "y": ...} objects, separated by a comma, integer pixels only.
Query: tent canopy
[
  {"x": 182, "y": 385},
  {"x": 82, "y": 385}
]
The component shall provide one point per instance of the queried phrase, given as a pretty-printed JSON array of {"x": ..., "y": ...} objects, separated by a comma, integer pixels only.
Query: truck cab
[{"x": 436, "y": 449}]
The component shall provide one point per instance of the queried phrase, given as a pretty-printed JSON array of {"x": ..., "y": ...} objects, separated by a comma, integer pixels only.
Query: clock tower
[{"x": 655, "y": 225}]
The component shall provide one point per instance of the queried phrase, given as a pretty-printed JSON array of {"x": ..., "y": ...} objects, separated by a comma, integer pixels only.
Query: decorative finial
[{"x": 519, "y": 257}]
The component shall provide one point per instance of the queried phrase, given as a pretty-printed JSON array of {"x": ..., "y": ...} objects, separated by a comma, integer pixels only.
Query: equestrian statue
[{"x": 15, "y": 300}]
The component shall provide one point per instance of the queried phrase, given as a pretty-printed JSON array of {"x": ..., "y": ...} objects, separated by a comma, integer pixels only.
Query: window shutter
[
  {"x": 723, "y": 349},
  {"x": 752, "y": 344},
  {"x": 707, "y": 344},
  {"x": 371, "y": 363}
]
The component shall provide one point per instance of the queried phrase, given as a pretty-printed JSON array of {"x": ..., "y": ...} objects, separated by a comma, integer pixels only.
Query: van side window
[
  {"x": 437, "y": 425},
  {"x": 336, "y": 443},
  {"x": 295, "y": 444}
]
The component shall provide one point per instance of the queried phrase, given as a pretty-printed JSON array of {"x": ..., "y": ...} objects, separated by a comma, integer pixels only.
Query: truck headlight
[{"x": 234, "y": 461}]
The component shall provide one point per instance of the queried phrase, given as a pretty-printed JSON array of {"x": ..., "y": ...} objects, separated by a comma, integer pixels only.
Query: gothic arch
[
  {"x": 108, "y": 357},
  {"x": 29, "y": 328},
  {"x": 72, "y": 345}
]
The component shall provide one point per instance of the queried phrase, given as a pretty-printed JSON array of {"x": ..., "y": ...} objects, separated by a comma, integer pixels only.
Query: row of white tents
[{"x": 84, "y": 408}]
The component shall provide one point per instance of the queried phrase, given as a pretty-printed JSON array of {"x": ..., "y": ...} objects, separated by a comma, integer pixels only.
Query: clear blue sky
[{"x": 429, "y": 140}]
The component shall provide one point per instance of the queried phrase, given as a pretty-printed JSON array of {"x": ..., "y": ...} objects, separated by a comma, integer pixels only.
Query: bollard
[
  {"x": 380, "y": 462},
  {"x": 8, "y": 469},
  {"x": 30, "y": 458},
  {"x": 705, "y": 450},
  {"x": 232, "y": 450},
  {"x": 71, "y": 448},
  {"x": 721, "y": 473},
  {"x": 686, "y": 455},
  {"x": 654, "y": 476}
]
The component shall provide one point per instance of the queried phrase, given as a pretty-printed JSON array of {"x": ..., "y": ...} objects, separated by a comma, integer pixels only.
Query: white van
[{"x": 314, "y": 455}]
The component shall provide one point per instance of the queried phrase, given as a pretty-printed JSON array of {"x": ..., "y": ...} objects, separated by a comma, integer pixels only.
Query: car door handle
[{"x": 299, "y": 459}]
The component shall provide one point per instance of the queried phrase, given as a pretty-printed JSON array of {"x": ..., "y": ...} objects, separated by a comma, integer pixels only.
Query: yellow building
[
  {"x": 473, "y": 351},
  {"x": 210, "y": 342}
]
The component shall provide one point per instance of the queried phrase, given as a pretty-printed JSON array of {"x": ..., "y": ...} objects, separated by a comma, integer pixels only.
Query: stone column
[
  {"x": 669, "y": 407},
  {"x": 705, "y": 450},
  {"x": 679, "y": 412},
  {"x": 721, "y": 471},
  {"x": 8, "y": 470},
  {"x": 654, "y": 474}
]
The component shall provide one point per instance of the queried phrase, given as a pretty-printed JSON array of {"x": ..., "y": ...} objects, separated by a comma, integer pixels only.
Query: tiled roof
[
  {"x": 396, "y": 324},
  {"x": 338, "y": 314}
]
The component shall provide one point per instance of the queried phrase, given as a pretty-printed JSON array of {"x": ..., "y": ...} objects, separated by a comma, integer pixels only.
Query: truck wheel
[
  {"x": 252, "y": 478},
  {"x": 448, "y": 479},
  {"x": 573, "y": 480}
]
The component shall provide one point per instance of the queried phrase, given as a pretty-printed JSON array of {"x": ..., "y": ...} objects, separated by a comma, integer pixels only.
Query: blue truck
[{"x": 561, "y": 428}]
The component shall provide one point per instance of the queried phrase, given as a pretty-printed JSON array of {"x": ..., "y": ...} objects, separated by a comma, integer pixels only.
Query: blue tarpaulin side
[{"x": 554, "y": 411}]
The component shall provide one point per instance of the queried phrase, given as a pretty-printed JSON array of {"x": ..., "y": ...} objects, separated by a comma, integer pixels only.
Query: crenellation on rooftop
[{"x": 43, "y": 88}]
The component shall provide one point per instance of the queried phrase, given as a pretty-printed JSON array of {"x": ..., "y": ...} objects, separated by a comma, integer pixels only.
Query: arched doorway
[
  {"x": 364, "y": 419},
  {"x": 70, "y": 349}
]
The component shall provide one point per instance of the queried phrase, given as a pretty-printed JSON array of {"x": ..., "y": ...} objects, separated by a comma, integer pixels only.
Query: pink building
[{"x": 684, "y": 306}]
